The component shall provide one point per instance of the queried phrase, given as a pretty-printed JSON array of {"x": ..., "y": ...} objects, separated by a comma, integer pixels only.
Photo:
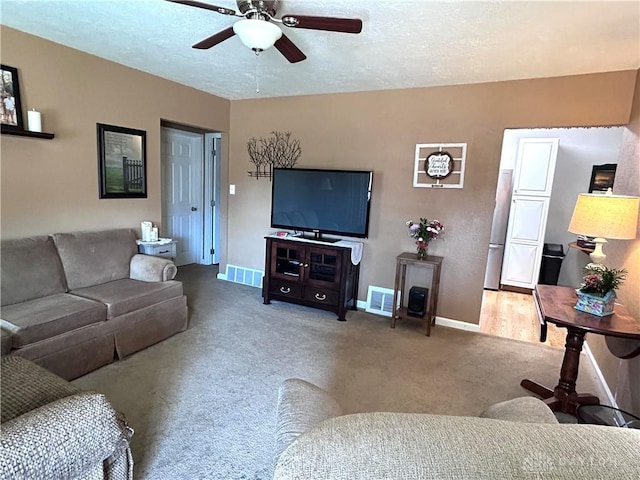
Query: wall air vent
[
  {"x": 379, "y": 301},
  {"x": 243, "y": 275}
]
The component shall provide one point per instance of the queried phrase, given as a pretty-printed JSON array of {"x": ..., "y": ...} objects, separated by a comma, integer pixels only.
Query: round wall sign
[{"x": 438, "y": 165}]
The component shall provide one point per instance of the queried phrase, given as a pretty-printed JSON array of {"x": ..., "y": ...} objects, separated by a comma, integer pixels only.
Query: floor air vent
[
  {"x": 379, "y": 301},
  {"x": 243, "y": 275}
]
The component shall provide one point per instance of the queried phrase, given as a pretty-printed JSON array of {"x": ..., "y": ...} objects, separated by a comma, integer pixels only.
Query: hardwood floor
[{"x": 513, "y": 315}]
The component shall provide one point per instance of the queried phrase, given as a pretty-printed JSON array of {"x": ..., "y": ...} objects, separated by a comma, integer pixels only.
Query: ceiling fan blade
[
  {"x": 207, "y": 6},
  {"x": 215, "y": 39},
  {"x": 287, "y": 48},
  {"x": 345, "y": 25}
]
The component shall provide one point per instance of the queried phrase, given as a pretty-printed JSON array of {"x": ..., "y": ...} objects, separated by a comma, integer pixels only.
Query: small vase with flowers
[{"x": 423, "y": 232}]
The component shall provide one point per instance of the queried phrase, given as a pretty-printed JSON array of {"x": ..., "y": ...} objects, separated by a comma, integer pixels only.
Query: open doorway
[
  {"x": 190, "y": 192},
  {"x": 512, "y": 314}
]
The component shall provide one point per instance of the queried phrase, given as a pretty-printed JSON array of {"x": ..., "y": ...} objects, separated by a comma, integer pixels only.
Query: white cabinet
[
  {"x": 535, "y": 166},
  {"x": 533, "y": 180},
  {"x": 525, "y": 241}
]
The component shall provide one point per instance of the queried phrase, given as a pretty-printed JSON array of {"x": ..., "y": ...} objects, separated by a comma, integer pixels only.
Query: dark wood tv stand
[{"x": 314, "y": 274}]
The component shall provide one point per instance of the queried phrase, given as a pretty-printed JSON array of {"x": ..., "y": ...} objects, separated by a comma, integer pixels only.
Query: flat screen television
[{"x": 321, "y": 201}]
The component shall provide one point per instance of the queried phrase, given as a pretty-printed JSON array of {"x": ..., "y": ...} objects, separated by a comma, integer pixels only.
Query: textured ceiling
[{"x": 403, "y": 44}]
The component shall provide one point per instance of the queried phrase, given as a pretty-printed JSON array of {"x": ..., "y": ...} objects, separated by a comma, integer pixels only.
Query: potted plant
[{"x": 597, "y": 293}]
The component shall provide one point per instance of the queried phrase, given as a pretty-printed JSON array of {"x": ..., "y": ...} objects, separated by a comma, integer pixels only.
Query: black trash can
[{"x": 552, "y": 256}]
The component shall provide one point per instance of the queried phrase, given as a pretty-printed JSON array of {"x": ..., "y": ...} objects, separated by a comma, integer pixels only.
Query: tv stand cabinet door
[
  {"x": 323, "y": 267},
  {"x": 288, "y": 261}
]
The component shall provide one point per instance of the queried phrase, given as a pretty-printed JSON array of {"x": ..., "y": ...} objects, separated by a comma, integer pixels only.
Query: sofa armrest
[
  {"x": 301, "y": 406},
  {"x": 147, "y": 268},
  {"x": 62, "y": 439},
  {"x": 521, "y": 409}
]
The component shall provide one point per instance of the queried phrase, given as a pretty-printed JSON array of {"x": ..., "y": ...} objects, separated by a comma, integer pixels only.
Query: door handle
[
  {"x": 285, "y": 289},
  {"x": 193, "y": 209},
  {"x": 320, "y": 297}
]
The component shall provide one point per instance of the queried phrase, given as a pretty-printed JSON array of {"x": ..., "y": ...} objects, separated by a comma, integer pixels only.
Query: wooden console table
[
  {"x": 556, "y": 305},
  {"x": 410, "y": 259}
]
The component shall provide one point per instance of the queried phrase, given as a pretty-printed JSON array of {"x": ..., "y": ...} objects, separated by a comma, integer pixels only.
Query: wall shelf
[
  {"x": 25, "y": 133},
  {"x": 582, "y": 249}
]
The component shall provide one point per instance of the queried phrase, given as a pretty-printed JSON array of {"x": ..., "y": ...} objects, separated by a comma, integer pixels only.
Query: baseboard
[
  {"x": 601, "y": 379},
  {"x": 447, "y": 322}
]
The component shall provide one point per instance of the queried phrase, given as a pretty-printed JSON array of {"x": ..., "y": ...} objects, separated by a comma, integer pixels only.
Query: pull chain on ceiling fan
[{"x": 258, "y": 32}]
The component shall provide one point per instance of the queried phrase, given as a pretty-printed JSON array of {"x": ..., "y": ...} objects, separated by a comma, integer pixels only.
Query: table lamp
[{"x": 605, "y": 216}]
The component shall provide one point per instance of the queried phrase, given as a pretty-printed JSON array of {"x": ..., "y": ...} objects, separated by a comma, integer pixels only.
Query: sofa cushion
[
  {"x": 124, "y": 296},
  {"x": 92, "y": 258},
  {"x": 31, "y": 269},
  {"x": 46, "y": 317},
  {"x": 401, "y": 446}
]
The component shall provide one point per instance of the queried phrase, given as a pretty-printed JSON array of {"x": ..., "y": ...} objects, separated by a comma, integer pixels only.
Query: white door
[
  {"x": 535, "y": 166},
  {"x": 182, "y": 192},
  {"x": 525, "y": 240},
  {"x": 533, "y": 180}
]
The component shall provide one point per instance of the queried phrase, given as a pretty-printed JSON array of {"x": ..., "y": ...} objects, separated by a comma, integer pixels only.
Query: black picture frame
[
  {"x": 122, "y": 162},
  {"x": 11, "y": 104},
  {"x": 602, "y": 177}
]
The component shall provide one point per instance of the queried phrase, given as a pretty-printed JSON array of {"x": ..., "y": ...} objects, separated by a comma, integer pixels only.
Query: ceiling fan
[{"x": 258, "y": 30}]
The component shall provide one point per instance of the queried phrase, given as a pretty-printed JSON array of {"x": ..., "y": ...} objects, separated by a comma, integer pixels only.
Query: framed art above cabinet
[{"x": 439, "y": 165}]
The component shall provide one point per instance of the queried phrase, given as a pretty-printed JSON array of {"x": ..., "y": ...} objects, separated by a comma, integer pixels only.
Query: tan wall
[
  {"x": 379, "y": 131},
  {"x": 52, "y": 185},
  {"x": 623, "y": 376}
]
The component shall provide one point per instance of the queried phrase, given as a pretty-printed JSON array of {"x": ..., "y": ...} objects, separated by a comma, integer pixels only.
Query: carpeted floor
[{"x": 203, "y": 402}]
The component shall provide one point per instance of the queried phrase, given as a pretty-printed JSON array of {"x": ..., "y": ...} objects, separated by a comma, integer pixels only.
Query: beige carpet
[{"x": 203, "y": 402}]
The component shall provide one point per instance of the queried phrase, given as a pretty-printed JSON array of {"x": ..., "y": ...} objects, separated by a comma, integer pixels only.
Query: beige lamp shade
[{"x": 605, "y": 216}]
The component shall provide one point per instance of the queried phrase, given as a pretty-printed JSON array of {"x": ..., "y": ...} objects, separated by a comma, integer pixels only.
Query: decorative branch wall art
[{"x": 278, "y": 150}]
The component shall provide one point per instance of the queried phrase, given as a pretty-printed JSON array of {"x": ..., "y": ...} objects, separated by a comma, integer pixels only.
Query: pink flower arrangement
[{"x": 424, "y": 231}]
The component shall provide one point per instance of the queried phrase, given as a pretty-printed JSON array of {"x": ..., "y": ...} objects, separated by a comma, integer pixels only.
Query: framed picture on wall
[
  {"x": 602, "y": 177},
  {"x": 122, "y": 162},
  {"x": 11, "y": 106}
]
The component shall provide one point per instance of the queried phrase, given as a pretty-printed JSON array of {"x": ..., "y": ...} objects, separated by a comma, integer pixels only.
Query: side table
[
  {"x": 433, "y": 263},
  {"x": 160, "y": 248},
  {"x": 555, "y": 304}
]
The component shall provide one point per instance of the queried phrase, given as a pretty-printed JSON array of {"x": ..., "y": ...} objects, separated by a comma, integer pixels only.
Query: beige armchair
[{"x": 51, "y": 429}]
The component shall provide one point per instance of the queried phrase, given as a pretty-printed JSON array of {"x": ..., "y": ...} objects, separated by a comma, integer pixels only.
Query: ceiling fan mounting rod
[
  {"x": 257, "y": 15},
  {"x": 266, "y": 8}
]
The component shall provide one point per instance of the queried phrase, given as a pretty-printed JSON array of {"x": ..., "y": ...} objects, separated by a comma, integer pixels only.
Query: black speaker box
[{"x": 417, "y": 304}]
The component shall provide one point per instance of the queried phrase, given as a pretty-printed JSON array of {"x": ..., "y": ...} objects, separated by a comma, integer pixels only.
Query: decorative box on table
[{"x": 594, "y": 304}]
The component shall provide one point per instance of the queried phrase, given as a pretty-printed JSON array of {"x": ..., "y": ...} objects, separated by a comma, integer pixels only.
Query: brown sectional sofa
[{"x": 72, "y": 302}]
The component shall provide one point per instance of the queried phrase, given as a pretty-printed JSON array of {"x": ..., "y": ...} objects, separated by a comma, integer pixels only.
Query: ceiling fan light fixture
[{"x": 257, "y": 34}]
